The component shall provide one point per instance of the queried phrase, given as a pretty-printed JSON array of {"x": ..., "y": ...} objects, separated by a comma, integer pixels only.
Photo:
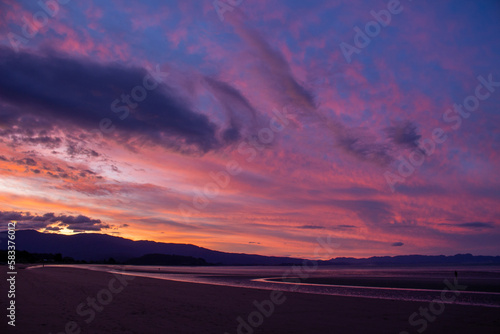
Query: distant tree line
[
  {"x": 148, "y": 259},
  {"x": 27, "y": 257}
]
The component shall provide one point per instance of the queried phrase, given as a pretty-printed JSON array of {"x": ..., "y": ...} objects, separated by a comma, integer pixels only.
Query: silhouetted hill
[
  {"x": 418, "y": 260},
  {"x": 97, "y": 247},
  {"x": 100, "y": 247},
  {"x": 167, "y": 260}
]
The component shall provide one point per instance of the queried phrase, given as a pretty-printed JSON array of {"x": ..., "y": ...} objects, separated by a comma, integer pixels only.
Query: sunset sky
[{"x": 256, "y": 126}]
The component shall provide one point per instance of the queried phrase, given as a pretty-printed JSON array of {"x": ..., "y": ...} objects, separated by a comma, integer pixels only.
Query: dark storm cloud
[
  {"x": 80, "y": 92},
  {"x": 311, "y": 227},
  {"x": 397, "y": 244},
  {"x": 362, "y": 148},
  {"x": 343, "y": 227},
  {"x": 356, "y": 191},
  {"x": 7, "y": 216},
  {"x": 476, "y": 225},
  {"x": 404, "y": 134},
  {"x": 20, "y": 128},
  {"x": 78, "y": 223},
  {"x": 358, "y": 142},
  {"x": 46, "y": 141},
  {"x": 230, "y": 97},
  {"x": 237, "y": 108},
  {"x": 76, "y": 148},
  {"x": 26, "y": 162},
  {"x": 52, "y": 169}
]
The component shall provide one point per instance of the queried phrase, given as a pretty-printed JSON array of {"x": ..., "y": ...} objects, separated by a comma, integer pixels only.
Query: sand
[{"x": 47, "y": 300}]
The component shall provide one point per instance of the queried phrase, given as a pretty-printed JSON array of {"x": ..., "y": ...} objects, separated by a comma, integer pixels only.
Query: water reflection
[{"x": 412, "y": 284}]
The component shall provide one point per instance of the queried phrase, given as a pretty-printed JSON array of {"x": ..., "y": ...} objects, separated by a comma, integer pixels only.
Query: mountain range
[{"x": 98, "y": 247}]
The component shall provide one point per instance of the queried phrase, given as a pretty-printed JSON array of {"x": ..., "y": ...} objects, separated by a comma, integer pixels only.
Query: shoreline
[
  {"x": 48, "y": 298},
  {"x": 466, "y": 297}
]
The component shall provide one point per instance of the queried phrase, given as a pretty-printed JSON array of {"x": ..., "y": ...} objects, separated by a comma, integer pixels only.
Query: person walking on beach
[{"x": 456, "y": 274}]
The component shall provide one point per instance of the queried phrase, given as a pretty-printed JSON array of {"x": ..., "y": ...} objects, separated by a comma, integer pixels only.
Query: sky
[{"x": 255, "y": 126}]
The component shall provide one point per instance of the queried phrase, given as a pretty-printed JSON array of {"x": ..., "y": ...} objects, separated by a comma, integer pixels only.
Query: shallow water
[{"x": 477, "y": 285}]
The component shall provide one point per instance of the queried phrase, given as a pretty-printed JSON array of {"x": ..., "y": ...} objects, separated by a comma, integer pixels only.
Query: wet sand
[
  {"x": 47, "y": 300},
  {"x": 473, "y": 284}
]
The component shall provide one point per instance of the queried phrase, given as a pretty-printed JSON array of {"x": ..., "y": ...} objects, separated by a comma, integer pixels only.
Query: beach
[
  {"x": 246, "y": 166},
  {"x": 59, "y": 300}
]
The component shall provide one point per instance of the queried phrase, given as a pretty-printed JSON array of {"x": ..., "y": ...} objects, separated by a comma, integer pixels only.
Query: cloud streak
[{"x": 47, "y": 84}]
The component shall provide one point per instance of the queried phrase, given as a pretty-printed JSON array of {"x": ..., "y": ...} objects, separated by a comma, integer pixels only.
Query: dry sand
[{"x": 47, "y": 300}]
